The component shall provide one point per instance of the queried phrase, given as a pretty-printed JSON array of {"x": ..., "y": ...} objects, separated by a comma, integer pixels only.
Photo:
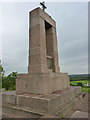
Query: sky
[{"x": 72, "y": 35}]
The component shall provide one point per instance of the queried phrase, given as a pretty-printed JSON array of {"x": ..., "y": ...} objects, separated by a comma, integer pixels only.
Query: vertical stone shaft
[{"x": 37, "y": 45}]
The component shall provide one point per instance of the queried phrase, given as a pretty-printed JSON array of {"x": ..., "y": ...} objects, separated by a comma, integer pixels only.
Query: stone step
[{"x": 68, "y": 108}]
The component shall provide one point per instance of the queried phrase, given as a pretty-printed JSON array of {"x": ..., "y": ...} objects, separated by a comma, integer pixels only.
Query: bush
[
  {"x": 79, "y": 84},
  {"x": 71, "y": 84}
]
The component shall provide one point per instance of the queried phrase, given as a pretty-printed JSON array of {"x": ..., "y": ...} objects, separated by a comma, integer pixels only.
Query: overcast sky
[{"x": 72, "y": 35}]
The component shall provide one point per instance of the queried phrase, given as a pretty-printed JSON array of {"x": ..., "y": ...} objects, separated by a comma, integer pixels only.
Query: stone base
[
  {"x": 41, "y": 83},
  {"x": 58, "y": 104}
]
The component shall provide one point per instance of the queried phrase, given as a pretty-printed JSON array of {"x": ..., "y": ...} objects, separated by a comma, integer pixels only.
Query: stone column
[
  {"x": 55, "y": 50},
  {"x": 37, "y": 45}
]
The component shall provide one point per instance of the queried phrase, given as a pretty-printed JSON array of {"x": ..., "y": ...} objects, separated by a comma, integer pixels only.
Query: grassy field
[
  {"x": 83, "y": 88},
  {"x": 82, "y": 81}
]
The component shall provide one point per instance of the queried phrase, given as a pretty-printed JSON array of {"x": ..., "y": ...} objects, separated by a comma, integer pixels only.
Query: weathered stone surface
[
  {"x": 55, "y": 104},
  {"x": 15, "y": 112},
  {"x": 42, "y": 83},
  {"x": 79, "y": 114}
]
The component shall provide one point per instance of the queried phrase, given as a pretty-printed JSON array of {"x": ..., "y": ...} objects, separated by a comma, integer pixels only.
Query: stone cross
[{"x": 43, "y": 5}]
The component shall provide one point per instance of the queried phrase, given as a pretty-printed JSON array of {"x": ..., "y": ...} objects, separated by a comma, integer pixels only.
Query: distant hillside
[{"x": 79, "y": 77}]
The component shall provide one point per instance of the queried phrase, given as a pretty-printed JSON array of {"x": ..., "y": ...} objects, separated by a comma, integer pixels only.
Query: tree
[
  {"x": 12, "y": 80},
  {"x": 2, "y": 71},
  {"x": 1, "y": 74},
  {"x": 9, "y": 82}
]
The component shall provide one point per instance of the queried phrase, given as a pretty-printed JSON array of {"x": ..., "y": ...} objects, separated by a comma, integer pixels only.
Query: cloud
[{"x": 71, "y": 19}]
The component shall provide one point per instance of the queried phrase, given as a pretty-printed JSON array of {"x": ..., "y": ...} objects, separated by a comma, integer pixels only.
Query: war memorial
[{"x": 44, "y": 91}]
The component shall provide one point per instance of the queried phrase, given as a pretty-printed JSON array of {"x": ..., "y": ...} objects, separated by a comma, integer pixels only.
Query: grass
[{"x": 85, "y": 90}]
